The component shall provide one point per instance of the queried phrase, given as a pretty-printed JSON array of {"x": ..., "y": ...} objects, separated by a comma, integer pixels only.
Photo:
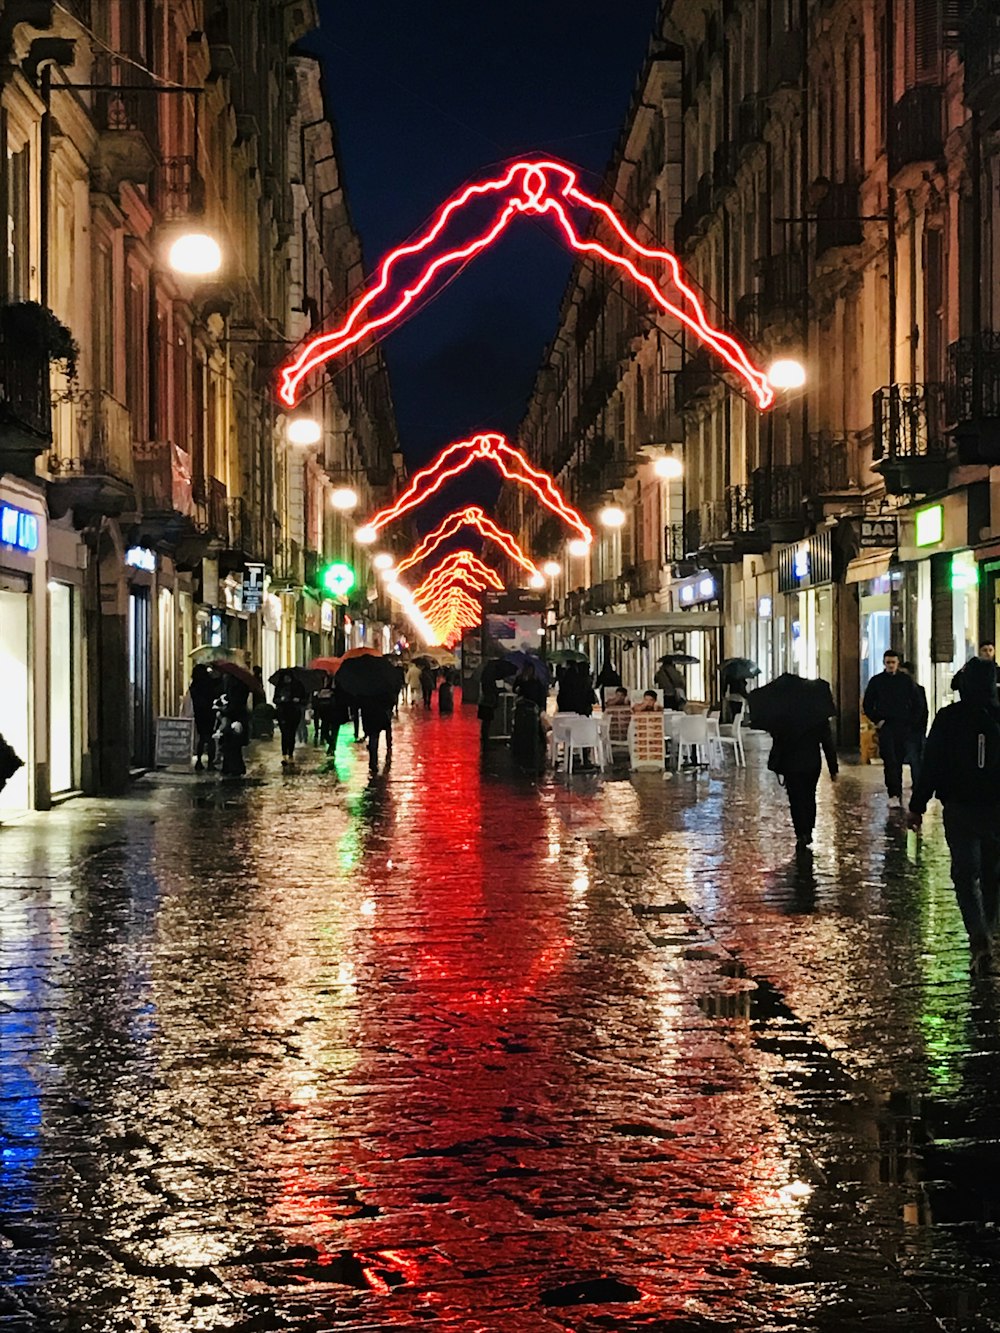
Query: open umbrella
[
  {"x": 740, "y": 668},
  {"x": 360, "y": 652},
  {"x": 240, "y": 673},
  {"x": 519, "y": 658},
  {"x": 327, "y": 664},
  {"x": 563, "y": 655},
  {"x": 211, "y": 652},
  {"x": 790, "y": 703},
  {"x": 437, "y": 657},
  {"x": 370, "y": 677},
  {"x": 310, "y": 677},
  {"x": 679, "y": 659}
]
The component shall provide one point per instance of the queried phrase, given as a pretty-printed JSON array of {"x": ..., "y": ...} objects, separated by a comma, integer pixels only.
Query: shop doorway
[
  {"x": 15, "y": 697},
  {"x": 140, "y": 668},
  {"x": 61, "y": 710}
]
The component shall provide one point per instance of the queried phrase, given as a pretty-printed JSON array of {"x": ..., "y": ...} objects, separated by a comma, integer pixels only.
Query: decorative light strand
[
  {"x": 525, "y": 189},
  {"x": 510, "y": 462},
  {"x": 472, "y": 516}
]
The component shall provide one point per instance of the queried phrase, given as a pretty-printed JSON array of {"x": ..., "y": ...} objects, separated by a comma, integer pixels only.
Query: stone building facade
[
  {"x": 157, "y": 476},
  {"x": 826, "y": 170}
]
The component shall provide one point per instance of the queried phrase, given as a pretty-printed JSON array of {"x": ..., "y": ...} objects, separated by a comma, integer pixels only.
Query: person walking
[
  {"x": 232, "y": 729},
  {"x": 671, "y": 682},
  {"x": 376, "y": 714},
  {"x": 290, "y": 698},
  {"x": 987, "y": 653},
  {"x": 962, "y": 768},
  {"x": 797, "y": 758},
  {"x": 204, "y": 689},
  {"x": 413, "y": 675},
  {"x": 889, "y": 703},
  {"x": 917, "y": 734},
  {"x": 428, "y": 684},
  {"x": 446, "y": 694}
]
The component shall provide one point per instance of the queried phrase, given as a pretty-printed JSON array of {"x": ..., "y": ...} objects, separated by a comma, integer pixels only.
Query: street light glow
[
  {"x": 668, "y": 467},
  {"x": 552, "y": 568},
  {"x": 612, "y": 516},
  {"x": 786, "y": 373},
  {"x": 304, "y": 431},
  {"x": 195, "y": 254},
  {"x": 365, "y": 536},
  {"x": 383, "y": 560},
  {"x": 578, "y": 546},
  {"x": 344, "y": 498},
  {"x": 536, "y": 581}
]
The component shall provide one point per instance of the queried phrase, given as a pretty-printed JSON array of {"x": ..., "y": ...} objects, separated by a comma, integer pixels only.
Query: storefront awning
[{"x": 656, "y": 622}]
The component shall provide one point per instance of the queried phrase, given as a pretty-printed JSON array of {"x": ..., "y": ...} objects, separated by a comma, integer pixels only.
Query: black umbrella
[
  {"x": 497, "y": 668},
  {"x": 311, "y": 680},
  {"x": 791, "y": 704},
  {"x": 679, "y": 659},
  {"x": 370, "y": 678},
  {"x": 740, "y": 668}
]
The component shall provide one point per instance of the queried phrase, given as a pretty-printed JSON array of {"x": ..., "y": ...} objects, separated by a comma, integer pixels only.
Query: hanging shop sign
[
  {"x": 928, "y": 526},
  {"x": 879, "y": 534},
  {"x": 696, "y": 590},
  {"x": 141, "y": 557},
  {"x": 806, "y": 564},
  {"x": 327, "y": 617},
  {"x": 19, "y": 529},
  {"x": 253, "y": 587}
]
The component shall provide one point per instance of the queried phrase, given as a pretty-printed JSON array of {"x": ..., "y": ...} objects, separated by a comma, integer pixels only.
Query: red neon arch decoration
[
  {"x": 525, "y": 189},
  {"x": 474, "y": 517},
  {"x": 510, "y": 462},
  {"x": 460, "y": 566}
]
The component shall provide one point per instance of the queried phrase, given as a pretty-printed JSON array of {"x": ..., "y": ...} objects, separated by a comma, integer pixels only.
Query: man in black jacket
[
  {"x": 796, "y": 757},
  {"x": 889, "y": 701},
  {"x": 962, "y": 767}
]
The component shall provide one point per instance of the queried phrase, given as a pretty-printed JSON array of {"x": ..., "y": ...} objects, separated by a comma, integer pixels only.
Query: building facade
[
  {"x": 146, "y": 480},
  {"x": 826, "y": 170}
]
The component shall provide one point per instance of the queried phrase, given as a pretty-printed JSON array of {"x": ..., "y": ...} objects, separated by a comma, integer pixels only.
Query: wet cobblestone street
[{"x": 448, "y": 1049}]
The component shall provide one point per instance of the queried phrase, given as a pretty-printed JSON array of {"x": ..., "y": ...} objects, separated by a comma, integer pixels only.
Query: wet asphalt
[{"x": 452, "y": 1049}]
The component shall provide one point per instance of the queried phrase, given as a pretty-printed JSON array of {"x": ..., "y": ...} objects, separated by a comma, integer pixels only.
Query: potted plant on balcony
[{"x": 38, "y": 334}]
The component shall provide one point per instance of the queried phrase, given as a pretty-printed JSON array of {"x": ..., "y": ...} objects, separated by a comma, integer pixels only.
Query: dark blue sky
[{"x": 429, "y": 94}]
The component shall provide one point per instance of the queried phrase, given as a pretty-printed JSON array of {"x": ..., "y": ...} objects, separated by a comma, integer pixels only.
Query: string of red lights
[
  {"x": 524, "y": 189},
  {"x": 471, "y": 516}
]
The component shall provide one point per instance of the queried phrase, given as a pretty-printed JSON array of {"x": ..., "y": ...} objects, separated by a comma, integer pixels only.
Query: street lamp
[
  {"x": 195, "y": 254},
  {"x": 578, "y": 547},
  {"x": 364, "y": 536},
  {"x": 612, "y": 516},
  {"x": 552, "y": 568},
  {"x": 304, "y": 431},
  {"x": 383, "y": 560},
  {"x": 536, "y": 581},
  {"x": 344, "y": 498},
  {"x": 786, "y": 373},
  {"x": 668, "y": 467}
]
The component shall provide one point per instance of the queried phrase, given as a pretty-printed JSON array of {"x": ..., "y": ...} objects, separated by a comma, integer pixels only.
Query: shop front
[
  {"x": 804, "y": 618},
  {"x": 24, "y": 624},
  {"x": 67, "y": 701}
]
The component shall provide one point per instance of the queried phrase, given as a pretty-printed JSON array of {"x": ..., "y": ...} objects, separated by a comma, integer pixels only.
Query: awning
[{"x": 658, "y": 622}]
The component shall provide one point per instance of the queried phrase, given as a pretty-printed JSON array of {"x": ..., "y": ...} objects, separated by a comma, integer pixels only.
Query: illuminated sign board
[
  {"x": 18, "y": 528},
  {"x": 930, "y": 526},
  {"x": 141, "y": 557},
  {"x": 699, "y": 588}
]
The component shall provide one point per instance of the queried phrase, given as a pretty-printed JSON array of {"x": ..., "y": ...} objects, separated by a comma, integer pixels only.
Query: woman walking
[{"x": 290, "y": 698}]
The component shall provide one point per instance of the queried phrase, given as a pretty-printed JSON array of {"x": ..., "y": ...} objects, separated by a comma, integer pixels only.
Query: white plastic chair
[
  {"x": 692, "y": 739},
  {"x": 671, "y": 732},
  {"x": 731, "y": 735},
  {"x": 582, "y": 733}
]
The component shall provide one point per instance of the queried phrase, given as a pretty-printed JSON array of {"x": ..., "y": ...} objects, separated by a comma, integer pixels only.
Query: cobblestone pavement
[{"x": 450, "y": 1049}]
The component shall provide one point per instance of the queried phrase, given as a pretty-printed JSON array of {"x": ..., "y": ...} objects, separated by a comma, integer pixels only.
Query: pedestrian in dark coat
[
  {"x": 671, "y": 682},
  {"x": 205, "y": 688},
  {"x": 576, "y": 694},
  {"x": 428, "y": 684},
  {"x": 796, "y": 756},
  {"x": 290, "y": 699},
  {"x": 962, "y": 768},
  {"x": 232, "y": 729},
  {"x": 376, "y": 714},
  {"x": 889, "y": 703}
]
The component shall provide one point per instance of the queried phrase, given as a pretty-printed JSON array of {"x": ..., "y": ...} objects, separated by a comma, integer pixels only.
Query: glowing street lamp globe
[
  {"x": 344, "y": 498},
  {"x": 536, "y": 581},
  {"x": 364, "y": 536},
  {"x": 383, "y": 560},
  {"x": 786, "y": 373},
  {"x": 552, "y": 568},
  {"x": 195, "y": 255},
  {"x": 612, "y": 516},
  {"x": 668, "y": 468},
  {"x": 304, "y": 431},
  {"x": 578, "y": 547}
]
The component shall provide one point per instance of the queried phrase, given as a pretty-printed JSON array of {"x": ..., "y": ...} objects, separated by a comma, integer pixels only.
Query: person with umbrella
[
  {"x": 232, "y": 711},
  {"x": 797, "y": 714},
  {"x": 671, "y": 682},
  {"x": 205, "y": 687},
  {"x": 961, "y": 766},
  {"x": 735, "y": 674},
  {"x": 374, "y": 683},
  {"x": 290, "y": 699}
]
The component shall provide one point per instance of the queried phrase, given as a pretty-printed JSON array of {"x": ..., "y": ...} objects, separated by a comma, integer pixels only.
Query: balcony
[
  {"x": 675, "y": 549},
  {"x": 715, "y": 542},
  {"x": 831, "y": 468},
  {"x": 92, "y": 466},
  {"x": 916, "y": 136},
  {"x": 973, "y": 398},
  {"x": 695, "y": 381},
  {"x": 910, "y": 446},
  {"x": 610, "y": 592},
  {"x": 648, "y": 578},
  {"x": 838, "y": 218},
  {"x": 25, "y": 403},
  {"x": 163, "y": 492},
  {"x": 178, "y": 189},
  {"x": 981, "y": 53},
  {"x": 127, "y": 121},
  {"x": 777, "y": 501}
]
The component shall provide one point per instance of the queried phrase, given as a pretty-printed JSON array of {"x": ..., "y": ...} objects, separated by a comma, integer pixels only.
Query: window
[{"x": 17, "y": 212}]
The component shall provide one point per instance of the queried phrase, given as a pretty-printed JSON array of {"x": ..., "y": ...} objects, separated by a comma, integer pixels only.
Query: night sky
[{"x": 427, "y": 96}]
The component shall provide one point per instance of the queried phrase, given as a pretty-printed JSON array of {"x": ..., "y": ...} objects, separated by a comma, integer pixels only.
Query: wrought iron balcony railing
[
  {"x": 909, "y": 422},
  {"x": 916, "y": 131},
  {"x": 831, "y": 465},
  {"x": 128, "y": 106},
  {"x": 675, "y": 548},
  {"x": 94, "y": 438},
  {"x": 178, "y": 188},
  {"x": 974, "y": 379},
  {"x": 777, "y": 493},
  {"x": 163, "y": 478}
]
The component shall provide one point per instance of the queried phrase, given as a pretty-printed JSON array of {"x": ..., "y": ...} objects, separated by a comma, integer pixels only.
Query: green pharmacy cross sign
[{"x": 337, "y": 579}]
